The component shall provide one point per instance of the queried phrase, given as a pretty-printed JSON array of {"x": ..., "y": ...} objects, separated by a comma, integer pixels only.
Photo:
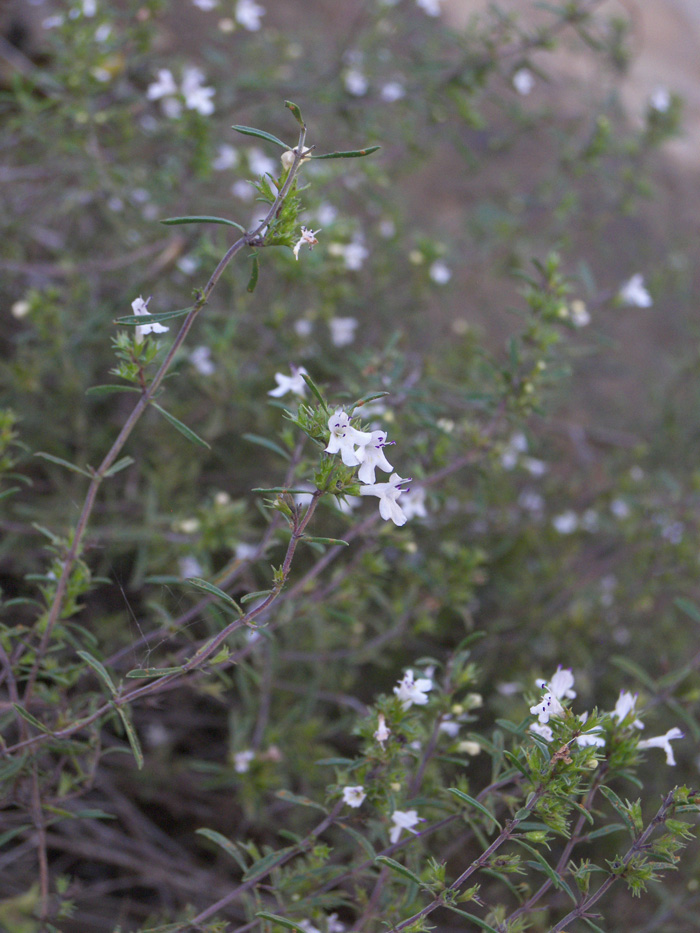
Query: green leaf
[
  {"x": 516, "y": 763},
  {"x": 182, "y": 428},
  {"x": 474, "y": 803},
  {"x": 134, "y": 319},
  {"x": 350, "y": 154},
  {"x": 286, "y": 489},
  {"x": 145, "y": 672},
  {"x": 330, "y": 541},
  {"x": 225, "y": 844},
  {"x": 553, "y": 876},
  {"x": 25, "y": 714},
  {"x": 200, "y": 584},
  {"x": 399, "y": 869},
  {"x": 260, "y": 134},
  {"x": 61, "y": 462},
  {"x": 203, "y": 219},
  {"x": 9, "y": 492},
  {"x": 109, "y": 390},
  {"x": 361, "y": 840},
  {"x": 290, "y": 105},
  {"x": 255, "y": 269},
  {"x": 482, "y": 924},
  {"x": 249, "y": 597},
  {"x": 131, "y": 736},
  {"x": 119, "y": 465},
  {"x": 282, "y": 921},
  {"x": 264, "y": 442},
  {"x": 297, "y": 798},
  {"x": 314, "y": 388},
  {"x": 619, "y": 808},
  {"x": 263, "y": 866},
  {"x": 369, "y": 398},
  {"x": 99, "y": 669},
  {"x": 635, "y": 670},
  {"x": 606, "y": 830},
  {"x": 688, "y": 607}
]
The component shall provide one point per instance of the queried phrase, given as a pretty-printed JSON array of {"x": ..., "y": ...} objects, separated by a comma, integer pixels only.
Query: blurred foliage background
[{"x": 552, "y": 421}]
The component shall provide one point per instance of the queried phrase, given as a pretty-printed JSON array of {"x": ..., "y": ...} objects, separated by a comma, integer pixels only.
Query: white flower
[
  {"x": 392, "y": 91},
  {"x": 634, "y": 293},
  {"x": 591, "y": 737},
  {"x": 206, "y": 5},
  {"x": 470, "y": 748},
  {"x": 566, "y": 523},
  {"x": 619, "y": 508},
  {"x": 190, "y": 567},
  {"x": 103, "y": 32},
  {"x": 226, "y": 157},
  {"x": 89, "y": 7},
  {"x": 307, "y": 237},
  {"x": 440, "y": 272},
  {"x": 413, "y": 503},
  {"x": 544, "y": 732},
  {"x": 625, "y": 705},
  {"x": 354, "y": 255},
  {"x": 403, "y": 819},
  {"x": 242, "y": 760},
  {"x": 530, "y": 500},
  {"x": 249, "y": 14},
  {"x": 294, "y": 383},
  {"x": 196, "y": 96},
  {"x": 383, "y": 731},
  {"x": 450, "y": 727},
  {"x": 245, "y": 551},
  {"x": 353, "y": 796},
  {"x": 523, "y": 81},
  {"x": 355, "y": 82},
  {"x": 560, "y": 684},
  {"x": 260, "y": 164},
  {"x": 411, "y": 691},
  {"x": 372, "y": 456},
  {"x": 20, "y": 309},
  {"x": 549, "y": 706},
  {"x": 579, "y": 314},
  {"x": 325, "y": 214},
  {"x": 334, "y": 925},
  {"x": 431, "y": 7},
  {"x": 344, "y": 438},
  {"x": 664, "y": 741},
  {"x": 243, "y": 190},
  {"x": 660, "y": 100},
  {"x": 201, "y": 359},
  {"x": 308, "y": 927},
  {"x": 342, "y": 330},
  {"x": 388, "y": 494},
  {"x": 303, "y": 327},
  {"x": 163, "y": 86},
  {"x": 139, "y": 307}
]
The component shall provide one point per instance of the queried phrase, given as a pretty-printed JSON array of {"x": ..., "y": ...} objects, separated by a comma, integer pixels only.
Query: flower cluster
[
  {"x": 366, "y": 450},
  {"x": 196, "y": 96},
  {"x": 140, "y": 309},
  {"x": 624, "y": 715}
]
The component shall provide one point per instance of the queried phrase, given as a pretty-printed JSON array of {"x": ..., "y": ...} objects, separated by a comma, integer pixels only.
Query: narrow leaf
[
  {"x": 474, "y": 803},
  {"x": 369, "y": 398},
  {"x": 203, "y": 219},
  {"x": 480, "y": 923},
  {"x": 61, "y": 462},
  {"x": 119, "y": 465},
  {"x": 249, "y": 597},
  {"x": 605, "y": 830},
  {"x": 200, "y": 584},
  {"x": 314, "y": 388},
  {"x": 635, "y": 670},
  {"x": 516, "y": 763},
  {"x": 145, "y": 672},
  {"x": 260, "y": 134},
  {"x": 134, "y": 319},
  {"x": 350, "y": 154},
  {"x": 182, "y": 428},
  {"x": 264, "y": 865},
  {"x": 359, "y": 839},
  {"x": 132, "y": 737},
  {"x": 100, "y": 670},
  {"x": 109, "y": 390},
  {"x": 330, "y": 541},
  {"x": 619, "y": 808},
  {"x": 253, "y": 280},
  {"x": 25, "y": 714},
  {"x": 297, "y": 798},
  {"x": 688, "y": 607},
  {"x": 282, "y": 921},
  {"x": 553, "y": 876},
  {"x": 223, "y": 843},
  {"x": 399, "y": 869},
  {"x": 290, "y": 105},
  {"x": 264, "y": 442}
]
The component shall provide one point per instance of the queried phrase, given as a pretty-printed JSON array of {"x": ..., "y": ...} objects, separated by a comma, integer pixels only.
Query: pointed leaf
[
  {"x": 477, "y": 920},
  {"x": 688, "y": 607},
  {"x": 553, "y": 876},
  {"x": 264, "y": 865},
  {"x": 119, "y": 465},
  {"x": 61, "y": 462},
  {"x": 475, "y": 803},
  {"x": 223, "y": 843},
  {"x": 25, "y": 714},
  {"x": 145, "y": 672},
  {"x": 260, "y": 134},
  {"x": 309, "y": 539},
  {"x": 314, "y": 388},
  {"x": 265, "y": 442},
  {"x": 249, "y": 597},
  {"x": 135, "y": 319},
  {"x": 253, "y": 280},
  {"x": 109, "y": 390},
  {"x": 182, "y": 428},
  {"x": 200, "y": 584},
  {"x": 399, "y": 869},
  {"x": 99, "y": 669},
  {"x": 132, "y": 737},
  {"x": 297, "y": 798},
  {"x": 363, "y": 842},
  {"x": 203, "y": 219},
  {"x": 282, "y": 921},
  {"x": 290, "y": 105},
  {"x": 350, "y": 154}
]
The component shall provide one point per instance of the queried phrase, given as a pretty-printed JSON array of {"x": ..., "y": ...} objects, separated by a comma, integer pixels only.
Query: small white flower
[
  {"x": 523, "y": 81},
  {"x": 242, "y": 760},
  {"x": 196, "y": 96},
  {"x": 560, "y": 684},
  {"x": 249, "y": 14},
  {"x": 566, "y": 523},
  {"x": 440, "y": 272},
  {"x": 226, "y": 157},
  {"x": 103, "y": 32},
  {"x": 382, "y": 732},
  {"x": 201, "y": 359},
  {"x": 245, "y": 551},
  {"x": 308, "y": 238},
  {"x": 431, "y": 7},
  {"x": 325, "y": 214},
  {"x": 392, "y": 91},
  {"x": 411, "y": 691},
  {"x": 634, "y": 293},
  {"x": 20, "y": 309},
  {"x": 353, "y": 796},
  {"x": 260, "y": 163},
  {"x": 469, "y": 748},
  {"x": 52, "y": 22},
  {"x": 589, "y": 520},
  {"x": 544, "y": 732},
  {"x": 591, "y": 737},
  {"x": 403, "y": 819},
  {"x": 450, "y": 727},
  {"x": 139, "y": 307},
  {"x": 294, "y": 383},
  {"x": 355, "y": 82},
  {"x": 242, "y": 190},
  {"x": 549, "y": 706},
  {"x": 413, "y": 503},
  {"x": 371, "y": 457},
  {"x": 89, "y": 7},
  {"x": 308, "y": 927},
  {"x": 664, "y": 741},
  {"x": 206, "y": 5},
  {"x": 531, "y": 501},
  {"x": 619, "y": 508},
  {"x": 334, "y": 925},
  {"x": 163, "y": 86},
  {"x": 342, "y": 330},
  {"x": 354, "y": 255},
  {"x": 388, "y": 494},
  {"x": 190, "y": 567},
  {"x": 625, "y": 705},
  {"x": 579, "y": 315},
  {"x": 303, "y": 327},
  {"x": 344, "y": 438},
  {"x": 660, "y": 100}
]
